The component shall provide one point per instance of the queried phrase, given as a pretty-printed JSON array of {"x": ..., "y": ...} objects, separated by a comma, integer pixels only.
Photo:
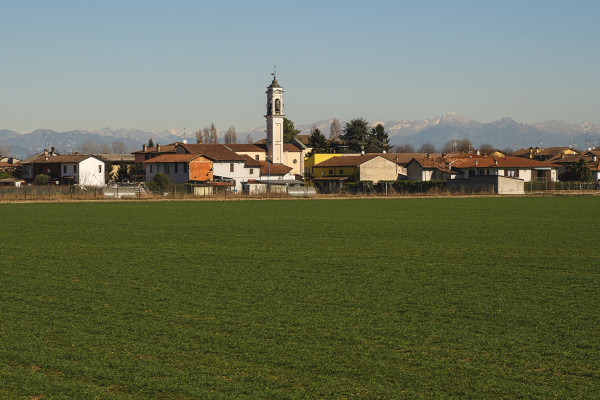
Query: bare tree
[
  {"x": 427, "y": 147},
  {"x": 249, "y": 139},
  {"x": 454, "y": 145},
  {"x": 213, "y": 134},
  {"x": 89, "y": 147},
  {"x": 118, "y": 147},
  {"x": 4, "y": 151},
  {"x": 230, "y": 135},
  {"x": 507, "y": 151},
  {"x": 199, "y": 136},
  {"x": 335, "y": 131},
  {"x": 486, "y": 149},
  {"x": 205, "y": 135},
  {"x": 404, "y": 148}
]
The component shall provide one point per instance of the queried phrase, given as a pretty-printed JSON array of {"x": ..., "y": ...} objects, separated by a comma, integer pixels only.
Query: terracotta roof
[
  {"x": 304, "y": 139},
  {"x": 73, "y": 158},
  {"x": 346, "y": 161},
  {"x": 502, "y": 162},
  {"x": 404, "y": 158},
  {"x": 567, "y": 159},
  {"x": 292, "y": 148},
  {"x": 251, "y": 162},
  {"x": 439, "y": 163},
  {"x": 8, "y": 165},
  {"x": 164, "y": 148},
  {"x": 273, "y": 169},
  {"x": 244, "y": 147},
  {"x": 552, "y": 151},
  {"x": 129, "y": 157},
  {"x": 215, "y": 152},
  {"x": 166, "y": 158}
]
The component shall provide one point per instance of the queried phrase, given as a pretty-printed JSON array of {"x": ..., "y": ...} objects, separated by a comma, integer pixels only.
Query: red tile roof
[
  {"x": 73, "y": 158},
  {"x": 215, "y": 152},
  {"x": 245, "y": 147},
  {"x": 499, "y": 162},
  {"x": 273, "y": 169},
  {"x": 164, "y": 148},
  {"x": 439, "y": 163},
  {"x": 346, "y": 161},
  {"x": 251, "y": 162},
  {"x": 166, "y": 158}
]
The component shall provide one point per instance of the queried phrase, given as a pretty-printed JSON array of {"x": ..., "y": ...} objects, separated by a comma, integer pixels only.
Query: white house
[
  {"x": 227, "y": 165},
  {"x": 78, "y": 169}
]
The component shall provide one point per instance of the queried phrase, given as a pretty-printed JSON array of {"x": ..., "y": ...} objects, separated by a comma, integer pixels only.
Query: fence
[
  {"x": 49, "y": 193},
  {"x": 562, "y": 187}
]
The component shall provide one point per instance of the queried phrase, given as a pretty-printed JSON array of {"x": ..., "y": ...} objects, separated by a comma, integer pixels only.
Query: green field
[{"x": 384, "y": 298}]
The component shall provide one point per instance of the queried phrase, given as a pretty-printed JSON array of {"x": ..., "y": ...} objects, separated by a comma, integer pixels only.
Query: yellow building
[{"x": 311, "y": 161}]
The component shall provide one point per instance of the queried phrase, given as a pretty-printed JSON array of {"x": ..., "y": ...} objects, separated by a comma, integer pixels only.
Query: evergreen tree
[
  {"x": 356, "y": 134},
  {"x": 150, "y": 143},
  {"x": 318, "y": 141},
  {"x": 289, "y": 131}
]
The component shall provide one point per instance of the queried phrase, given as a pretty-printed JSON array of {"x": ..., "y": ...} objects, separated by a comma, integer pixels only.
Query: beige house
[{"x": 329, "y": 175}]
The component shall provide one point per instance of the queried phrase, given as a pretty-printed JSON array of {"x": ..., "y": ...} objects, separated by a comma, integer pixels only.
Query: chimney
[
  {"x": 144, "y": 148},
  {"x": 476, "y": 162},
  {"x": 595, "y": 158},
  {"x": 478, "y": 152},
  {"x": 562, "y": 155},
  {"x": 157, "y": 147},
  {"x": 52, "y": 151},
  {"x": 427, "y": 155},
  {"x": 46, "y": 153}
]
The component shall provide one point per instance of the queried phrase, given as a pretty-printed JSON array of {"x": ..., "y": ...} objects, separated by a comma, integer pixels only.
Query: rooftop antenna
[
  {"x": 274, "y": 71},
  {"x": 184, "y": 139}
]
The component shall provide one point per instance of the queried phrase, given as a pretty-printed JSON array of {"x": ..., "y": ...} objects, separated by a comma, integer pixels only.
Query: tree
[
  {"x": 123, "y": 173},
  {"x": 230, "y": 135},
  {"x": 485, "y": 148},
  {"x": 160, "y": 182},
  {"x": 108, "y": 171},
  {"x": 289, "y": 131},
  {"x": 335, "y": 131},
  {"x": 507, "y": 151},
  {"x": 578, "y": 171},
  {"x": 461, "y": 146},
  {"x": 41, "y": 179},
  {"x": 199, "y": 136},
  {"x": 356, "y": 134},
  {"x": 404, "y": 148},
  {"x": 118, "y": 147},
  {"x": 150, "y": 143},
  {"x": 379, "y": 140},
  {"x": 4, "y": 151},
  {"x": 214, "y": 139},
  {"x": 318, "y": 141},
  {"x": 249, "y": 139},
  {"x": 426, "y": 147}
]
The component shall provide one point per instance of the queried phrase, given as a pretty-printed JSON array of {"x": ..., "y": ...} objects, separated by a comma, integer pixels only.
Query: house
[
  {"x": 548, "y": 153},
  {"x": 114, "y": 161},
  {"x": 145, "y": 154},
  {"x": 526, "y": 152},
  {"x": 512, "y": 167},
  {"x": 430, "y": 169},
  {"x": 181, "y": 168},
  {"x": 227, "y": 165},
  {"x": 330, "y": 174},
  {"x": 564, "y": 161},
  {"x": 77, "y": 169}
]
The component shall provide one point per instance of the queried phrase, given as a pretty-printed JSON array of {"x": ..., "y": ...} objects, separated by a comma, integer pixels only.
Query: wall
[
  {"x": 240, "y": 174},
  {"x": 378, "y": 169},
  {"x": 499, "y": 184},
  {"x": 89, "y": 173}
]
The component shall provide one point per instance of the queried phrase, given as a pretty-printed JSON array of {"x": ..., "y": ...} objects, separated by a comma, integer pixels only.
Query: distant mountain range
[{"x": 501, "y": 134}]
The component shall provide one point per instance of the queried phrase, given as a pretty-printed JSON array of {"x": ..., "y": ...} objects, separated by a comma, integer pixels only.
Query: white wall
[
  {"x": 240, "y": 173},
  {"x": 90, "y": 172}
]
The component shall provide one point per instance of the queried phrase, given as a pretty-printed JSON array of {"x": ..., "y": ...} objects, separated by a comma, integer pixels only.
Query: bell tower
[{"x": 275, "y": 122}]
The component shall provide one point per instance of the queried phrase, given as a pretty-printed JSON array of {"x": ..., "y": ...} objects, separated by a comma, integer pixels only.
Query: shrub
[
  {"x": 160, "y": 182},
  {"x": 41, "y": 179}
]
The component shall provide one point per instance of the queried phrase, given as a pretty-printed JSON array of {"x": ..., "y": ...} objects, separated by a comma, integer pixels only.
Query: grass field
[{"x": 398, "y": 298}]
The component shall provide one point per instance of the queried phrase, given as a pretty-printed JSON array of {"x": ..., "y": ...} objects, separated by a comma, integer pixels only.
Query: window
[
  {"x": 150, "y": 168},
  {"x": 176, "y": 167},
  {"x": 330, "y": 172},
  {"x": 75, "y": 169},
  {"x": 64, "y": 169},
  {"x": 185, "y": 168},
  {"x": 257, "y": 157},
  {"x": 100, "y": 168},
  {"x": 251, "y": 171},
  {"x": 295, "y": 161},
  {"x": 231, "y": 167},
  {"x": 511, "y": 173},
  {"x": 167, "y": 169},
  {"x": 341, "y": 171}
]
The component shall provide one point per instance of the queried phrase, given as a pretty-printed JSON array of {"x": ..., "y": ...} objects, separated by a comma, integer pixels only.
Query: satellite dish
[{"x": 184, "y": 141}]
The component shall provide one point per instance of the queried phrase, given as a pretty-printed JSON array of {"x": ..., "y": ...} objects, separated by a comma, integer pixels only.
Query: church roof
[{"x": 274, "y": 84}]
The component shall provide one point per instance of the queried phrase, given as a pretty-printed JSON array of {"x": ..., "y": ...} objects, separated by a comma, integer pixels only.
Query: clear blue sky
[{"x": 183, "y": 64}]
